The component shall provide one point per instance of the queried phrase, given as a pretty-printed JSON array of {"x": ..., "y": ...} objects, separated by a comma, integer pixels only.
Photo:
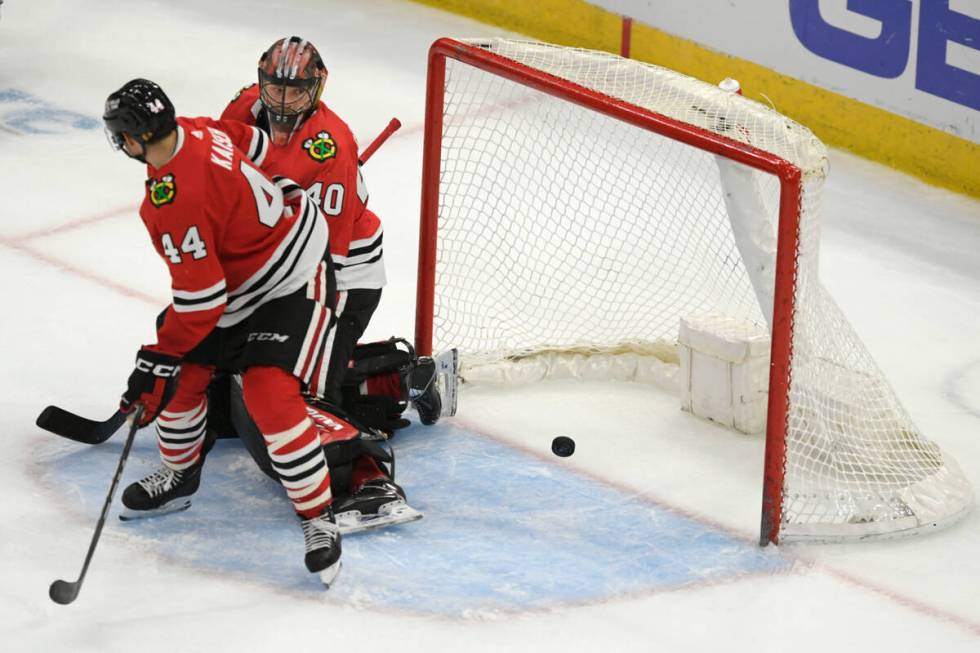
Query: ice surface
[{"x": 536, "y": 559}]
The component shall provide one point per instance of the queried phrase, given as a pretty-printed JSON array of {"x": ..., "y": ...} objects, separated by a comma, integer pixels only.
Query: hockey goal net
[{"x": 578, "y": 203}]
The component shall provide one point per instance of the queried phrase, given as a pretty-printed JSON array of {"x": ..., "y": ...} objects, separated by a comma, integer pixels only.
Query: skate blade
[
  {"x": 447, "y": 367},
  {"x": 389, "y": 515},
  {"x": 328, "y": 575},
  {"x": 183, "y": 503}
]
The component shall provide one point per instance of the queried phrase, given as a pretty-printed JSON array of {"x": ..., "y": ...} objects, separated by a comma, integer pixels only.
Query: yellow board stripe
[{"x": 930, "y": 154}]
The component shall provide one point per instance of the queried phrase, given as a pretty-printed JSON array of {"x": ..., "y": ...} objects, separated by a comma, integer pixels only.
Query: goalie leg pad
[
  {"x": 376, "y": 385},
  {"x": 376, "y": 358},
  {"x": 385, "y": 376},
  {"x": 376, "y": 411},
  {"x": 354, "y": 311},
  {"x": 342, "y": 443}
]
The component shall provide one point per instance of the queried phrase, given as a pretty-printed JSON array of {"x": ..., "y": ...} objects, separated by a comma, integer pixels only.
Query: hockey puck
[{"x": 562, "y": 446}]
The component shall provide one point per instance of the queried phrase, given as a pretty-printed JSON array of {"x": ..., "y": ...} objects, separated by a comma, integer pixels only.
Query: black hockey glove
[{"x": 151, "y": 384}]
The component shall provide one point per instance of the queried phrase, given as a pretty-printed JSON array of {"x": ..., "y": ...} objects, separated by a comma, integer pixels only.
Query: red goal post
[{"x": 722, "y": 141}]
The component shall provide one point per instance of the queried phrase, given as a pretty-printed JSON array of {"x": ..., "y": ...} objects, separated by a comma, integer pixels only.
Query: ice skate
[
  {"x": 423, "y": 391},
  {"x": 322, "y": 538},
  {"x": 447, "y": 369},
  {"x": 164, "y": 491},
  {"x": 376, "y": 504}
]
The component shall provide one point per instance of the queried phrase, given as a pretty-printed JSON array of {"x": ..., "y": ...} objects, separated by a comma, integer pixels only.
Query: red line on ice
[
  {"x": 74, "y": 224},
  {"x": 98, "y": 279},
  {"x": 807, "y": 562}
]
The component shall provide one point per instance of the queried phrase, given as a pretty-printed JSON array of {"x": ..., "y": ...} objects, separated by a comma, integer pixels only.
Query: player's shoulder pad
[
  {"x": 240, "y": 107},
  {"x": 242, "y": 91}
]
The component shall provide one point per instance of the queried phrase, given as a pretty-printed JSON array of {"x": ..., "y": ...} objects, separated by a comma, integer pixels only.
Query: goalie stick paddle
[
  {"x": 61, "y": 591},
  {"x": 80, "y": 429}
]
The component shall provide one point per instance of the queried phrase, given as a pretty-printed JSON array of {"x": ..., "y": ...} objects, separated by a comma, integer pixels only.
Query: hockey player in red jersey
[
  {"x": 313, "y": 146},
  {"x": 253, "y": 291}
]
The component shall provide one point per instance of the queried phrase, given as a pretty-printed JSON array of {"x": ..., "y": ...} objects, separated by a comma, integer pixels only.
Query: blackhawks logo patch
[
  {"x": 321, "y": 148},
  {"x": 162, "y": 191}
]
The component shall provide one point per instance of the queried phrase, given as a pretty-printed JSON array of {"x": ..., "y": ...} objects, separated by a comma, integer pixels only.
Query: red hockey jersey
[
  {"x": 322, "y": 158},
  {"x": 233, "y": 238}
]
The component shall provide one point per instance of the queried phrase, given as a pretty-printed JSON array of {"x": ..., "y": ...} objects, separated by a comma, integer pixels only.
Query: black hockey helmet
[
  {"x": 142, "y": 110},
  {"x": 291, "y": 78}
]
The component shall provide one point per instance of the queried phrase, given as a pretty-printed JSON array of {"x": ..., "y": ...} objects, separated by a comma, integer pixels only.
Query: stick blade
[
  {"x": 62, "y": 592},
  {"x": 80, "y": 429},
  {"x": 49, "y": 418}
]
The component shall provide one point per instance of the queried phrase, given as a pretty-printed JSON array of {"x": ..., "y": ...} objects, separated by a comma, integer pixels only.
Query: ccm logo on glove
[
  {"x": 152, "y": 383},
  {"x": 157, "y": 369}
]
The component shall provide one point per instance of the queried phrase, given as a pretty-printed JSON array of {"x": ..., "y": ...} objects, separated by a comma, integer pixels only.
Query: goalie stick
[
  {"x": 81, "y": 429},
  {"x": 379, "y": 140},
  {"x": 62, "y": 591}
]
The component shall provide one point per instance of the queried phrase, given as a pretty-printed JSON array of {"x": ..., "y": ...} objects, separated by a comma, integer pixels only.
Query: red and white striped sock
[
  {"x": 181, "y": 427},
  {"x": 273, "y": 400},
  {"x": 297, "y": 456},
  {"x": 180, "y": 435}
]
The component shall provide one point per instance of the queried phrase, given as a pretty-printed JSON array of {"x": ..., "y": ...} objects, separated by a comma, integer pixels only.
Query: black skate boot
[
  {"x": 423, "y": 391},
  {"x": 162, "y": 492},
  {"x": 165, "y": 490},
  {"x": 376, "y": 504},
  {"x": 322, "y": 538}
]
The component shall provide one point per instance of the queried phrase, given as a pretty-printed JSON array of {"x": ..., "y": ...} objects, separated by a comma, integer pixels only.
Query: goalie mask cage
[{"x": 577, "y": 201}]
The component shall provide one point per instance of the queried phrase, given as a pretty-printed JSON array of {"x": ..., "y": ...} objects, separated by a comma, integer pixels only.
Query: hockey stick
[
  {"x": 61, "y": 591},
  {"x": 80, "y": 429},
  {"x": 392, "y": 127}
]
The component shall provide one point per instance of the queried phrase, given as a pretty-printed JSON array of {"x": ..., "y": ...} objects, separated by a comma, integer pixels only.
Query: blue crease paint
[{"x": 503, "y": 531}]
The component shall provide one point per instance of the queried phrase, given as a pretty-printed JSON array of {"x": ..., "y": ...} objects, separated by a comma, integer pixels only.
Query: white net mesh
[{"x": 561, "y": 228}]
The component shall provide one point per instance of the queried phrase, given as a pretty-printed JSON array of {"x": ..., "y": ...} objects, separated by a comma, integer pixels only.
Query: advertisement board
[
  {"x": 896, "y": 81},
  {"x": 917, "y": 58}
]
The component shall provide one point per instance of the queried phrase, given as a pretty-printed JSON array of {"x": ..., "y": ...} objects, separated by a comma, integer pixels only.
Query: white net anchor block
[{"x": 724, "y": 370}]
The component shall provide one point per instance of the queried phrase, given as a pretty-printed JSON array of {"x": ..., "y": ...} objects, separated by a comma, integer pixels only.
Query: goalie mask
[{"x": 291, "y": 77}]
